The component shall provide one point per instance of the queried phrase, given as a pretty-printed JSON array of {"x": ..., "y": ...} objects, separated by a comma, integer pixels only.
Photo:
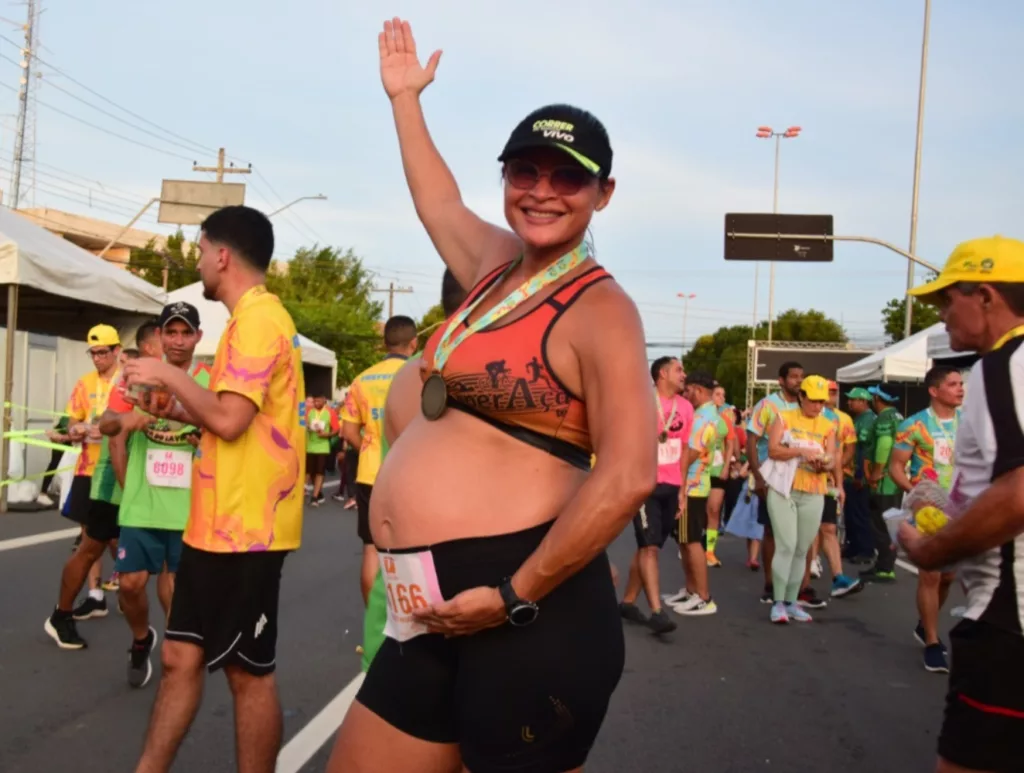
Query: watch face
[{"x": 524, "y": 614}]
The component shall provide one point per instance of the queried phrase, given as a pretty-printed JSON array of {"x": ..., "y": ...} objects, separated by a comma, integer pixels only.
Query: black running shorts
[
  {"x": 101, "y": 521},
  {"x": 76, "y": 506},
  {"x": 984, "y": 717},
  {"x": 653, "y": 524},
  {"x": 762, "y": 515},
  {"x": 227, "y": 603},
  {"x": 691, "y": 525},
  {"x": 718, "y": 483},
  {"x": 527, "y": 699},
  {"x": 316, "y": 464},
  {"x": 363, "y": 493},
  {"x": 830, "y": 515}
]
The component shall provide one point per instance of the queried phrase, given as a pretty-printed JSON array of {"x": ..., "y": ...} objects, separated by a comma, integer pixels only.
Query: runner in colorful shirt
[
  {"x": 885, "y": 494},
  {"x": 764, "y": 414},
  {"x": 319, "y": 432},
  {"x": 725, "y": 444},
  {"x": 695, "y": 597},
  {"x": 924, "y": 449},
  {"x": 653, "y": 524}
]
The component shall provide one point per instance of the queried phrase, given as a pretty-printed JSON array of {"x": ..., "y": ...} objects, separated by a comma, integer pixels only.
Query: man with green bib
[
  {"x": 401, "y": 405},
  {"x": 157, "y": 483}
]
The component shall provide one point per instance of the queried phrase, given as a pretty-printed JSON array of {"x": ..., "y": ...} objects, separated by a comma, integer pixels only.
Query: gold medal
[{"x": 434, "y": 397}]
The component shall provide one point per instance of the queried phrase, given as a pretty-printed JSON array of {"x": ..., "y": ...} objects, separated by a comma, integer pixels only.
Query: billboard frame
[{"x": 754, "y": 346}]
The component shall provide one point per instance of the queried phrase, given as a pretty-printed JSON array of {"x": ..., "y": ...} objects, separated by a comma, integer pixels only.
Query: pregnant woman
[{"x": 504, "y": 642}]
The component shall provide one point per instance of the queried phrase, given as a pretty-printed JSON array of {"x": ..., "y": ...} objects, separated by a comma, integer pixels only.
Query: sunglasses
[{"x": 564, "y": 180}]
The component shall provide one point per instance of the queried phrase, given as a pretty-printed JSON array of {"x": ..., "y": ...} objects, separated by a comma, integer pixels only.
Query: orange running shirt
[
  {"x": 247, "y": 494},
  {"x": 87, "y": 403}
]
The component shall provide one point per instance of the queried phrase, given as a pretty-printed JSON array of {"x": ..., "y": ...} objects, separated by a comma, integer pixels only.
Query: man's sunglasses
[{"x": 565, "y": 180}]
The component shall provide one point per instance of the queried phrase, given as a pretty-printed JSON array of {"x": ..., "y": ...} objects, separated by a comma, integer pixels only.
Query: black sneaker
[
  {"x": 809, "y": 599},
  {"x": 90, "y": 608},
  {"x": 873, "y": 575},
  {"x": 62, "y": 629},
  {"x": 919, "y": 637},
  {"x": 659, "y": 622},
  {"x": 632, "y": 613},
  {"x": 338, "y": 497},
  {"x": 140, "y": 667},
  {"x": 768, "y": 597},
  {"x": 935, "y": 659}
]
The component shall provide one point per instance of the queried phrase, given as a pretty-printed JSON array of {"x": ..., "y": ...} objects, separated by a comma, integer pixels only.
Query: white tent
[
  {"x": 905, "y": 360},
  {"x": 214, "y": 317}
]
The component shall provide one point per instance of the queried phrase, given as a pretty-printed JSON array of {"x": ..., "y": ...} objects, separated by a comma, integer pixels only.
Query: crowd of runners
[{"x": 495, "y": 467}]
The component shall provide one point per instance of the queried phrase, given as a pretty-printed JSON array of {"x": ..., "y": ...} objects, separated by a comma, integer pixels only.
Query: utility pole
[
  {"x": 220, "y": 170},
  {"x": 908, "y": 301},
  {"x": 26, "y": 79},
  {"x": 391, "y": 290}
]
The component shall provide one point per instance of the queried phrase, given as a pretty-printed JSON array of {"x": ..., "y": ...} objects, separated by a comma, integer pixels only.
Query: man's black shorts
[
  {"x": 227, "y": 603},
  {"x": 76, "y": 507},
  {"x": 830, "y": 515},
  {"x": 363, "y": 493},
  {"x": 690, "y": 526},
  {"x": 653, "y": 524},
  {"x": 101, "y": 524},
  {"x": 316, "y": 464},
  {"x": 984, "y": 718},
  {"x": 718, "y": 483}
]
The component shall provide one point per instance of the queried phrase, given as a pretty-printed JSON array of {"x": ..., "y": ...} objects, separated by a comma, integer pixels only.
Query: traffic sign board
[{"x": 790, "y": 238}]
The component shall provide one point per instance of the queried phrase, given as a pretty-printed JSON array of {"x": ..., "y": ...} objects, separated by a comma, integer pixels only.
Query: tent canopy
[
  {"x": 63, "y": 289},
  {"x": 214, "y": 317},
  {"x": 905, "y": 360}
]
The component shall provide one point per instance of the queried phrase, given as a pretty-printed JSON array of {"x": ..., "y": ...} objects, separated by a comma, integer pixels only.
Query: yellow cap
[
  {"x": 103, "y": 335},
  {"x": 991, "y": 259},
  {"x": 815, "y": 387}
]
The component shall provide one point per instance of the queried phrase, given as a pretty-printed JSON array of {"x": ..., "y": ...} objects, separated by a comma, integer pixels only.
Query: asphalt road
[{"x": 723, "y": 693}]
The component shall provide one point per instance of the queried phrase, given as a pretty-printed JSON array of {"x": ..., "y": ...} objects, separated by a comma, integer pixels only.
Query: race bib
[
  {"x": 719, "y": 460},
  {"x": 169, "y": 469},
  {"x": 943, "y": 452},
  {"x": 670, "y": 452},
  {"x": 410, "y": 582}
]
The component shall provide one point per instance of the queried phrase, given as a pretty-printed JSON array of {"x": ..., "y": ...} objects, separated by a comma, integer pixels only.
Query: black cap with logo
[
  {"x": 186, "y": 312},
  {"x": 701, "y": 378},
  {"x": 566, "y": 128}
]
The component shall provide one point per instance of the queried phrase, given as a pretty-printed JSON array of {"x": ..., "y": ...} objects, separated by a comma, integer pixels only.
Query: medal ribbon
[
  {"x": 1010, "y": 335},
  {"x": 661, "y": 413},
  {"x": 524, "y": 292}
]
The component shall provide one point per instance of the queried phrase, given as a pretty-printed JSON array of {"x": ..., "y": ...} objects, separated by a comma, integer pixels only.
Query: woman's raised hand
[{"x": 400, "y": 69}]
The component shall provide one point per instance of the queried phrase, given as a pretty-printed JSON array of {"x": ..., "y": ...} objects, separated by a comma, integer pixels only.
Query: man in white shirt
[{"x": 981, "y": 296}]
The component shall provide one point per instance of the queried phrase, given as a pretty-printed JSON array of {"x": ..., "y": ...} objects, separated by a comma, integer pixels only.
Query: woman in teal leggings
[{"x": 796, "y": 514}]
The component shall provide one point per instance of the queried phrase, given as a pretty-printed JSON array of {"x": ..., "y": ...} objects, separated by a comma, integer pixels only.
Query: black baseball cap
[
  {"x": 702, "y": 379},
  {"x": 569, "y": 129},
  {"x": 186, "y": 312}
]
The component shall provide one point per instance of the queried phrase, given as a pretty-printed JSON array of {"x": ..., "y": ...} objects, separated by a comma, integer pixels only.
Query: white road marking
[
  {"x": 309, "y": 740},
  {"x": 39, "y": 539}
]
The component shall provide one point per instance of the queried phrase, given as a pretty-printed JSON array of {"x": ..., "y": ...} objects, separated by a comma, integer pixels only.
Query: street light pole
[
  {"x": 318, "y": 197},
  {"x": 764, "y": 133},
  {"x": 686, "y": 310},
  {"x": 917, "y": 167}
]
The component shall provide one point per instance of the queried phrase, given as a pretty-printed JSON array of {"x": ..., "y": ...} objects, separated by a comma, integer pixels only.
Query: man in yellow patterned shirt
[
  {"x": 247, "y": 492},
  {"x": 363, "y": 428}
]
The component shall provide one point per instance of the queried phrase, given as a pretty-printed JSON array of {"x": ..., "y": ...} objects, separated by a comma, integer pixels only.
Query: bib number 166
[{"x": 403, "y": 599}]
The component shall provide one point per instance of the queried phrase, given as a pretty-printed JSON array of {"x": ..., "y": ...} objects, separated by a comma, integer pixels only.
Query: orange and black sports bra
[{"x": 502, "y": 375}]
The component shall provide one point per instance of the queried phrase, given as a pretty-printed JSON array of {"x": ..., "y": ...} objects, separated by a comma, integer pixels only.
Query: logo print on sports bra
[{"x": 504, "y": 389}]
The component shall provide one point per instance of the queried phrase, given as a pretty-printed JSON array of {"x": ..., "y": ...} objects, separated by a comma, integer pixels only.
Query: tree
[
  {"x": 894, "y": 316},
  {"x": 723, "y": 354},
  {"x": 182, "y": 264},
  {"x": 328, "y": 294}
]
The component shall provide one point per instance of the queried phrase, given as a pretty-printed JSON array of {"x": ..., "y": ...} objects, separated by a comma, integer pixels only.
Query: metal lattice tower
[{"x": 23, "y": 174}]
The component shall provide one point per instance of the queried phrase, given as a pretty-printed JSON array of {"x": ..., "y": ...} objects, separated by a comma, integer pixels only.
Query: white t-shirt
[{"x": 990, "y": 443}]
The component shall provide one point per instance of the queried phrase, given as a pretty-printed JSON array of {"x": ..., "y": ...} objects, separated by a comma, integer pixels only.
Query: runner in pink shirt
[{"x": 653, "y": 524}]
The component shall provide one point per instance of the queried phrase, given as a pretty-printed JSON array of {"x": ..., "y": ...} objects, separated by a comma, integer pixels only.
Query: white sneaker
[
  {"x": 816, "y": 567},
  {"x": 684, "y": 607},
  {"x": 699, "y": 609},
  {"x": 44, "y": 500},
  {"x": 676, "y": 598}
]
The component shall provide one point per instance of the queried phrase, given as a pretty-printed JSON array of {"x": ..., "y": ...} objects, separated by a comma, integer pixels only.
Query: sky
[{"x": 294, "y": 89}]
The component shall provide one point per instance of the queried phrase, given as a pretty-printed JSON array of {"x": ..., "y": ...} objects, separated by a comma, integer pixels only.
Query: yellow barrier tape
[
  {"x": 43, "y": 444},
  {"x": 37, "y": 476},
  {"x": 34, "y": 410}
]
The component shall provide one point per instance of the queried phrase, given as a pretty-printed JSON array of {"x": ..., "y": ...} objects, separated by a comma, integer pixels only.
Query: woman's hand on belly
[{"x": 471, "y": 611}]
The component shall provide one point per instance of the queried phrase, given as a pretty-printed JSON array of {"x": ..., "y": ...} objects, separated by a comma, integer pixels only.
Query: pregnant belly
[{"x": 459, "y": 477}]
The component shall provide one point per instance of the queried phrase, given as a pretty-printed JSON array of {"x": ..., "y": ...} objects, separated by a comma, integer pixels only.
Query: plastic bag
[{"x": 743, "y": 520}]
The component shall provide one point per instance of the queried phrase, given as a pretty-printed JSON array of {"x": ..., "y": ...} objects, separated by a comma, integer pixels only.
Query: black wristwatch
[{"x": 519, "y": 612}]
